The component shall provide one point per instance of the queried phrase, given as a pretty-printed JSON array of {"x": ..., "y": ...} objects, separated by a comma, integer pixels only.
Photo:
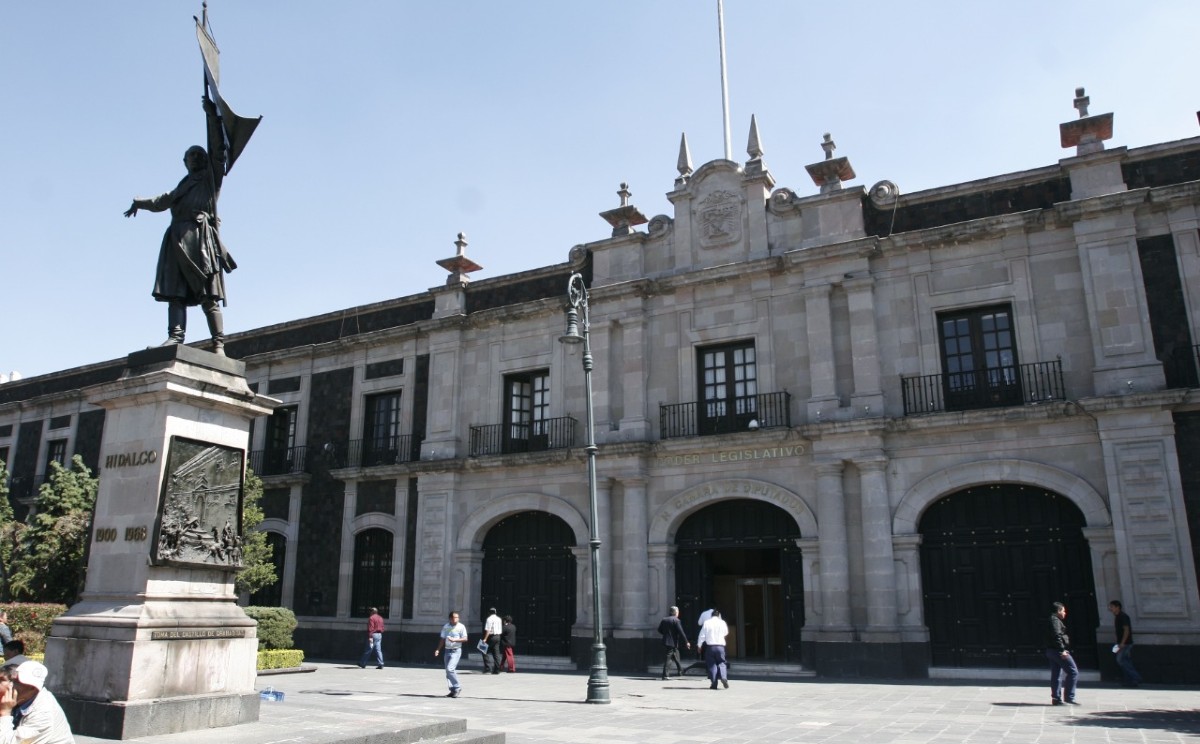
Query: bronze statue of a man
[{"x": 192, "y": 257}]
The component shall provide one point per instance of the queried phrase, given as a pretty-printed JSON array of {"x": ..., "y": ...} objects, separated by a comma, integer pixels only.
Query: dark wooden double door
[
  {"x": 993, "y": 559},
  {"x": 529, "y": 573}
]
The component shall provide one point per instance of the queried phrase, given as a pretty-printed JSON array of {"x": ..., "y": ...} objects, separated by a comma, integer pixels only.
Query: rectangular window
[
  {"x": 281, "y": 441},
  {"x": 381, "y": 432},
  {"x": 729, "y": 387},
  {"x": 979, "y": 358},
  {"x": 56, "y": 451},
  {"x": 527, "y": 411}
]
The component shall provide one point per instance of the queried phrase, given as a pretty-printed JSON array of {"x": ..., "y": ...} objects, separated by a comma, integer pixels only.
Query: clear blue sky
[{"x": 390, "y": 126}]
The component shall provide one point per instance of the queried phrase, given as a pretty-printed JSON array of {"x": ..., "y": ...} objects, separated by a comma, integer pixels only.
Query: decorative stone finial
[
  {"x": 1087, "y": 133},
  {"x": 625, "y": 217},
  {"x": 828, "y": 145},
  {"x": 753, "y": 145},
  {"x": 459, "y": 265},
  {"x": 830, "y": 172},
  {"x": 1081, "y": 102},
  {"x": 684, "y": 163}
]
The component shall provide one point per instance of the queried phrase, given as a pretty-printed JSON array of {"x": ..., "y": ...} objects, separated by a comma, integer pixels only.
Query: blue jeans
[
  {"x": 714, "y": 659},
  {"x": 374, "y": 646},
  {"x": 1125, "y": 661},
  {"x": 1066, "y": 666},
  {"x": 450, "y": 657}
]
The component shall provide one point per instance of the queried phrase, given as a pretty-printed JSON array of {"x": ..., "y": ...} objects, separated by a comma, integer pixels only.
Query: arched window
[
  {"x": 272, "y": 596},
  {"x": 372, "y": 585}
]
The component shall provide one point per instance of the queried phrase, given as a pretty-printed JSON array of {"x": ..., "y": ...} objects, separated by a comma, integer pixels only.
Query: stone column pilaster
[
  {"x": 821, "y": 367},
  {"x": 635, "y": 582},
  {"x": 878, "y": 554},
  {"x": 346, "y": 559},
  {"x": 835, "y": 562}
]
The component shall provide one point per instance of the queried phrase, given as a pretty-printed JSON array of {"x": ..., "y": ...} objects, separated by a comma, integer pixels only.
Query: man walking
[
  {"x": 673, "y": 637},
  {"x": 454, "y": 635},
  {"x": 1058, "y": 653},
  {"x": 508, "y": 639},
  {"x": 374, "y": 640},
  {"x": 1124, "y": 648},
  {"x": 712, "y": 640},
  {"x": 492, "y": 631},
  {"x": 6, "y": 633}
]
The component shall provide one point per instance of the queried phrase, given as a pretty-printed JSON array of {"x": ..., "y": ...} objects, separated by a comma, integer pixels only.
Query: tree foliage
[
  {"x": 10, "y": 534},
  {"x": 47, "y": 565},
  {"x": 258, "y": 571}
]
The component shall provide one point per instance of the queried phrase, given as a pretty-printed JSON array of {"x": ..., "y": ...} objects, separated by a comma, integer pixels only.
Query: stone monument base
[
  {"x": 133, "y": 720},
  {"x": 157, "y": 643}
]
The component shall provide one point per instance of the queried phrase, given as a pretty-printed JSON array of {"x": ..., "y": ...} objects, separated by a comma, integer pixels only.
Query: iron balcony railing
[
  {"x": 279, "y": 461},
  {"x": 711, "y": 417},
  {"x": 373, "y": 453},
  {"x": 985, "y": 388},
  {"x": 535, "y": 436}
]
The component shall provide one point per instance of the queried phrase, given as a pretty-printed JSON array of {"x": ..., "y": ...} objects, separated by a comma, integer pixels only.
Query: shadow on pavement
[{"x": 1178, "y": 721}]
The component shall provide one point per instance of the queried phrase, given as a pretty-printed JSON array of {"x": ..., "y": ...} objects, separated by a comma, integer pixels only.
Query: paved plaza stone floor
[{"x": 548, "y": 707}]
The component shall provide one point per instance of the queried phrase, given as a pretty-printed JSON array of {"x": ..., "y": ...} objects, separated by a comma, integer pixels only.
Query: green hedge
[
  {"x": 31, "y": 623},
  {"x": 280, "y": 659},
  {"x": 275, "y": 626}
]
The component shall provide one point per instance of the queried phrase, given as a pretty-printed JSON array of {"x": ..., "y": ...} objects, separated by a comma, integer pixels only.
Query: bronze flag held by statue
[
  {"x": 235, "y": 129},
  {"x": 192, "y": 259}
]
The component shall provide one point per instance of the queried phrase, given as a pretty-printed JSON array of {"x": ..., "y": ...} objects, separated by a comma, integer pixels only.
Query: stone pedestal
[{"x": 157, "y": 643}]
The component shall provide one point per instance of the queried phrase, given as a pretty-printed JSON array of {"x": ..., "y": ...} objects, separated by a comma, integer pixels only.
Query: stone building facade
[{"x": 881, "y": 431}]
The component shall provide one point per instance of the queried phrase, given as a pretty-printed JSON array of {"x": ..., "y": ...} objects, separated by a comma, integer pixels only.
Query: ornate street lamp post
[{"x": 578, "y": 298}]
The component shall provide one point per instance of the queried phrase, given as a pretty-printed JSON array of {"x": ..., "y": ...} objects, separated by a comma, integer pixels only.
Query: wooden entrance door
[
  {"x": 993, "y": 559},
  {"x": 529, "y": 573}
]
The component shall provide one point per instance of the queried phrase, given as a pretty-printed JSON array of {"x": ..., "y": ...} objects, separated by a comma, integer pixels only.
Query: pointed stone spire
[
  {"x": 625, "y": 217},
  {"x": 684, "y": 163},
  {"x": 830, "y": 172},
  {"x": 1087, "y": 133},
  {"x": 754, "y": 149},
  {"x": 459, "y": 265},
  {"x": 753, "y": 145}
]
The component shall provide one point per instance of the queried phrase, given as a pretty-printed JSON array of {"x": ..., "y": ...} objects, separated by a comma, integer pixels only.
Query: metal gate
[
  {"x": 728, "y": 547},
  {"x": 993, "y": 559},
  {"x": 529, "y": 573}
]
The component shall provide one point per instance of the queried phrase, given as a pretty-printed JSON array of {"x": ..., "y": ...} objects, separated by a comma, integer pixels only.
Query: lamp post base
[{"x": 597, "y": 691}]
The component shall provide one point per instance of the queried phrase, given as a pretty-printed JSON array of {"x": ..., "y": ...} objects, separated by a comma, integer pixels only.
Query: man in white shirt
[
  {"x": 28, "y": 711},
  {"x": 454, "y": 635},
  {"x": 492, "y": 628},
  {"x": 712, "y": 640}
]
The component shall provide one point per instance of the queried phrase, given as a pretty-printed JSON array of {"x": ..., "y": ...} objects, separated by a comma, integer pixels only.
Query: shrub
[
  {"x": 31, "y": 623},
  {"x": 275, "y": 626},
  {"x": 280, "y": 659}
]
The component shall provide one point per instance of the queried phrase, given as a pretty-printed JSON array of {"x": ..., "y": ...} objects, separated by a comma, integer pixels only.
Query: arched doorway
[
  {"x": 529, "y": 573},
  {"x": 993, "y": 559},
  {"x": 740, "y": 556}
]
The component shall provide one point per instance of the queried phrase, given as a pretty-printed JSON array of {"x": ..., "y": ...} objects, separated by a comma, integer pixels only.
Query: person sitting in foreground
[{"x": 29, "y": 714}]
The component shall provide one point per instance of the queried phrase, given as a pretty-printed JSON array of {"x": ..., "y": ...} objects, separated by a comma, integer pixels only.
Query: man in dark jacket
[
  {"x": 673, "y": 637},
  {"x": 1058, "y": 653},
  {"x": 1123, "y": 627}
]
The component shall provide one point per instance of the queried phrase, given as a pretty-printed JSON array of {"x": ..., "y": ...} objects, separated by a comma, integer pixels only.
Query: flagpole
[{"x": 724, "y": 81}]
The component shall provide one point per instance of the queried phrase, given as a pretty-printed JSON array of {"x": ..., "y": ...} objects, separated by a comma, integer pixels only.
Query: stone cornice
[{"x": 966, "y": 232}]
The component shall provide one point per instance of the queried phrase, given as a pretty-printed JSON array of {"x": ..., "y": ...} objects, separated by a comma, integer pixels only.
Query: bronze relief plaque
[{"x": 199, "y": 521}]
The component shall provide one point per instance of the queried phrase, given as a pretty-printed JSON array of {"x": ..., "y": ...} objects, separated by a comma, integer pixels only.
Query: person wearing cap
[{"x": 29, "y": 713}]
